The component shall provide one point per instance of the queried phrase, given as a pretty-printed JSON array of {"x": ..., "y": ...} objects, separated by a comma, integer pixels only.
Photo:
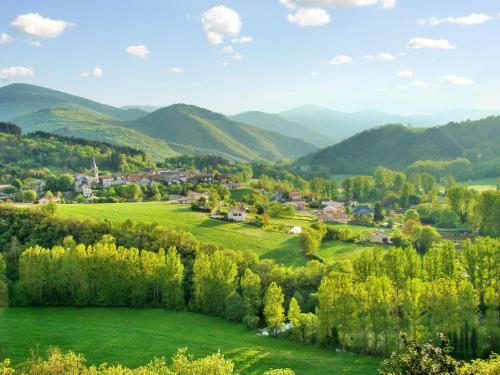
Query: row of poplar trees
[{"x": 358, "y": 306}]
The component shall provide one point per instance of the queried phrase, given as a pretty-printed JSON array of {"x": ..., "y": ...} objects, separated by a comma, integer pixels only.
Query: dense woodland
[{"x": 41, "y": 151}]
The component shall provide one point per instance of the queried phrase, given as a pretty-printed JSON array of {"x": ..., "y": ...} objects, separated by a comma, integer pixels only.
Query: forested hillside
[
  {"x": 466, "y": 150},
  {"x": 207, "y": 132},
  {"x": 19, "y": 153},
  {"x": 84, "y": 123}
]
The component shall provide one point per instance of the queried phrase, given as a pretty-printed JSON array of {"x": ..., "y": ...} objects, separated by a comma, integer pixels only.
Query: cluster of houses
[
  {"x": 84, "y": 183},
  {"x": 336, "y": 212}
]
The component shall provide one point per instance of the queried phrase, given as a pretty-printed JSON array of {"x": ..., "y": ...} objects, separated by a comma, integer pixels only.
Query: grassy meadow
[
  {"x": 134, "y": 336},
  {"x": 482, "y": 184},
  {"x": 272, "y": 243}
]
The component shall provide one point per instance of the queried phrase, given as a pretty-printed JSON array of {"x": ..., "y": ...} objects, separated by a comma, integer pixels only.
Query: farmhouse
[
  {"x": 295, "y": 230},
  {"x": 359, "y": 211},
  {"x": 237, "y": 214},
  {"x": 295, "y": 196},
  {"x": 334, "y": 215}
]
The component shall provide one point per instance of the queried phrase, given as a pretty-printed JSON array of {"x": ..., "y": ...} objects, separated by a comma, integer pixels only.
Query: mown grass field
[
  {"x": 271, "y": 243},
  {"x": 134, "y": 336}
]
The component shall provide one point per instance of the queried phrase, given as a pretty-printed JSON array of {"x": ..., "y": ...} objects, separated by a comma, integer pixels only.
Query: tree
[
  {"x": 30, "y": 195},
  {"x": 428, "y": 359},
  {"x": 377, "y": 212},
  {"x": 274, "y": 313},
  {"x": 310, "y": 242},
  {"x": 413, "y": 308},
  {"x": 460, "y": 198},
  {"x": 250, "y": 290},
  {"x": 412, "y": 215},
  {"x": 4, "y": 290},
  {"x": 425, "y": 237},
  {"x": 171, "y": 278}
]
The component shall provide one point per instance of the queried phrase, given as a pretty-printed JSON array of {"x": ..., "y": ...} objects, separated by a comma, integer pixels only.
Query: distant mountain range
[
  {"x": 188, "y": 129},
  {"x": 162, "y": 133},
  {"x": 475, "y": 144}
]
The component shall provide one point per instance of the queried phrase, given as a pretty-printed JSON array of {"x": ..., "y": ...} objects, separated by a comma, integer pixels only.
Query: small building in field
[
  {"x": 299, "y": 205},
  {"x": 233, "y": 185},
  {"x": 237, "y": 214},
  {"x": 295, "y": 196},
  {"x": 379, "y": 236},
  {"x": 295, "y": 230}
]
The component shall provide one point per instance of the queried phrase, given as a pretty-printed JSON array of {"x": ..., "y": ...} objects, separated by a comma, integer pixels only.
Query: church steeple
[{"x": 94, "y": 169}]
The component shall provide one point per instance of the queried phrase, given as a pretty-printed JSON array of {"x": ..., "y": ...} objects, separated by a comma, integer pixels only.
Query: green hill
[
  {"x": 203, "y": 131},
  {"x": 84, "y": 123},
  {"x": 278, "y": 124},
  {"x": 467, "y": 150},
  {"x": 19, "y": 99}
]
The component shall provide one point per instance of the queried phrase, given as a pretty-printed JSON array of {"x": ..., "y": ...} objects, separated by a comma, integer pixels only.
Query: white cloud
[
  {"x": 340, "y": 60},
  {"x": 417, "y": 83},
  {"x": 453, "y": 79},
  {"x": 5, "y": 38},
  {"x": 176, "y": 70},
  {"x": 309, "y": 17},
  {"x": 380, "y": 57},
  {"x": 405, "y": 74},
  {"x": 419, "y": 43},
  {"x": 242, "y": 40},
  {"x": 227, "y": 50},
  {"x": 35, "y": 25},
  {"x": 385, "y": 57},
  {"x": 219, "y": 22},
  {"x": 224, "y": 64},
  {"x": 471, "y": 19},
  {"x": 294, "y": 4},
  {"x": 95, "y": 73},
  {"x": 16, "y": 72},
  {"x": 389, "y": 4},
  {"x": 237, "y": 56},
  {"x": 314, "y": 73},
  {"x": 34, "y": 43},
  {"x": 140, "y": 51},
  {"x": 402, "y": 87}
]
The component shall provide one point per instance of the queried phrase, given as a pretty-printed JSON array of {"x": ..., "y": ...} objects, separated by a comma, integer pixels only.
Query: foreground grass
[
  {"x": 271, "y": 243},
  {"x": 135, "y": 336}
]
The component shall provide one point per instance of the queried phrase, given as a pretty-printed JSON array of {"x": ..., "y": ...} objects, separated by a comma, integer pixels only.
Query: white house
[
  {"x": 295, "y": 230},
  {"x": 236, "y": 214}
]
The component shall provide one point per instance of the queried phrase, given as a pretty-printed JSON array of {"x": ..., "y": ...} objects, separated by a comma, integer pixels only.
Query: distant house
[
  {"x": 379, "y": 236},
  {"x": 361, "y": 210},
  {"x": 237, "y": 214},
  {"x": 87, "y": 192},
  {"x": 295, "y": 196},
  {"x": 295, "y": 230},
  {"x": 201, "y": 178},
  {"x": 334, "y": 204},
  {"x": 191, "y": 197},
  {"x": 173, "y": 177},
  {"x": 335, "y": 214},
  {"x": 45, "y": 200},
  {"x": 233, "y": 185},
  {"x": 298, "y": 204}
]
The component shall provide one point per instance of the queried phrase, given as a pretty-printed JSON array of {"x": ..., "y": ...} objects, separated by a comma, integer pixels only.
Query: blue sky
[{"x": 343, "y": 54}]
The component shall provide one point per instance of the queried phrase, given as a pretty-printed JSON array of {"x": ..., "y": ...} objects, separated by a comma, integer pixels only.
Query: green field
[
  {"x": 273, "y": 242},
  {"x": 135, "y": 336},
  {"x": 482, "y": 184}
]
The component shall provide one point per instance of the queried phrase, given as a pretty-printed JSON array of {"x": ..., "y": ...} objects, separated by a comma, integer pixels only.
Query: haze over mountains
[{"x": 253, "y": 135}]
